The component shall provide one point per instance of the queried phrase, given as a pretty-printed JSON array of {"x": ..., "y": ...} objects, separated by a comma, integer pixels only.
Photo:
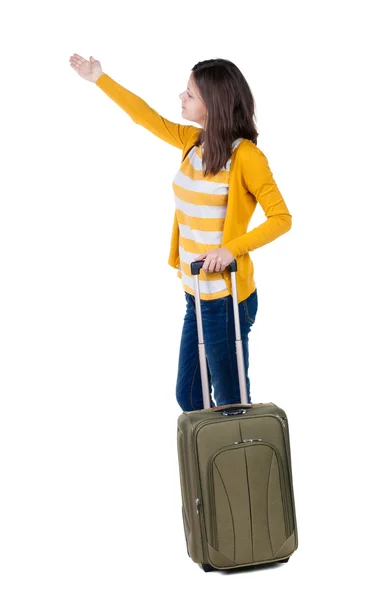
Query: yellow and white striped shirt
[{"x": 201, "y": 205}]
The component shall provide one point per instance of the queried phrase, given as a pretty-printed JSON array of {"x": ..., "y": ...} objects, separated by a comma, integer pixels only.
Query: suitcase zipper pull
[{"x": 197, "y": 506}]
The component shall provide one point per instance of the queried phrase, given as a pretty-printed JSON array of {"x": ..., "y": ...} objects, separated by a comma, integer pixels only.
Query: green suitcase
[{"x": 235, "y": 473}]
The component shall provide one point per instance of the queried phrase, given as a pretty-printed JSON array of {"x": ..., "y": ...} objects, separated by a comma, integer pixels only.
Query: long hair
[{"x": 231, "y": 111}]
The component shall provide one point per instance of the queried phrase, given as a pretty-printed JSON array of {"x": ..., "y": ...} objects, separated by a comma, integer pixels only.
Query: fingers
[
  {"x": 76, "y": 61},
  {"x": 211, "y": 263},
  {"x": 220, "y": 266},
  {"x": 205, "y": 266},
  {"x": 215, "y": 261},
  {"x": 214, "y": 264},
  {"x": 77, "y": 57}
]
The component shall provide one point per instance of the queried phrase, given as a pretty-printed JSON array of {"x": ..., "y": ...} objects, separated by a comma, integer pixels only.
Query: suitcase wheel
[
  {"x": 207, "y": 568},
  {"x": 284, "y": 560}
]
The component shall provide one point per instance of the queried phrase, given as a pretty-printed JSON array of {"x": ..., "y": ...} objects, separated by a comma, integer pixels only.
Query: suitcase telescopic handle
[
  {"x": 196, "y": 266},
  {"x": 195, "y": 270}
]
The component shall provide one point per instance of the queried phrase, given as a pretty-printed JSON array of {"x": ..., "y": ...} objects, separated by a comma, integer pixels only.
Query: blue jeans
[{"x": 220, "y": 348}]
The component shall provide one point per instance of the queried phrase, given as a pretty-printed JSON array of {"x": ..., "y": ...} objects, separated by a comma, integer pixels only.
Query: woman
[{"x": 222, "y": 176}]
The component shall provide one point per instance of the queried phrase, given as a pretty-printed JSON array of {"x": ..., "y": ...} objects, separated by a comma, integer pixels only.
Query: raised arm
[{"x": 142, "y": 114}]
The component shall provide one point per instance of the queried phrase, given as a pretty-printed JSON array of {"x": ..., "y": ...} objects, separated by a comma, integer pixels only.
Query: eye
[{"x": 189, "y": 94}]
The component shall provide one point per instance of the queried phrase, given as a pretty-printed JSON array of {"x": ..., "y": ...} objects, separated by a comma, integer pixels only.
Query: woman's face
[{"x": 193, "y": 108}]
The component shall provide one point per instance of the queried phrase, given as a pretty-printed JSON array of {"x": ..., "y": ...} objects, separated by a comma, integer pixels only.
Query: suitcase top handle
[
  {"x": 231, "y": 409},
  {"x": 196, "y": 266}
]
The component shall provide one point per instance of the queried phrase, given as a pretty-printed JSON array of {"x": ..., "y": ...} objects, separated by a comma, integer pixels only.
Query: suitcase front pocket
[{"x": 248, "y": 502}]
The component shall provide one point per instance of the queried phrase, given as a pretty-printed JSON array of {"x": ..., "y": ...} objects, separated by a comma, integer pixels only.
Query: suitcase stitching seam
[
  {"x": 248, "y": 490},
  {"x": 230, "y": 509},
  {"x": 268, "y": 522}
]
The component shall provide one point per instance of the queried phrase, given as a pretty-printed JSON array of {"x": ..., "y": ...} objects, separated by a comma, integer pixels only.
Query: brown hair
[{"x": 230, "y": 110}]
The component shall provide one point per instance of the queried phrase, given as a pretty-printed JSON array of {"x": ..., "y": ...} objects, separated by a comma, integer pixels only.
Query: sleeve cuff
[
  {"x": 101, "y": 79},
  {"x": 233, "y": 246}
]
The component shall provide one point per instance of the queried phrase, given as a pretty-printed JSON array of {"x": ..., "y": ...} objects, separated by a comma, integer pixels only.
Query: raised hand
[{"x": 87, "y": 69}]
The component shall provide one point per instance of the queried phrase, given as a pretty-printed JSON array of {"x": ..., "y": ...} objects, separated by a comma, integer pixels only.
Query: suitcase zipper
[
  {"x": 206, "y": 423},
  {"x": 198, "y": 510},
  {"x": 248, "y": 442},
  {"x": 245, "y": 441}
]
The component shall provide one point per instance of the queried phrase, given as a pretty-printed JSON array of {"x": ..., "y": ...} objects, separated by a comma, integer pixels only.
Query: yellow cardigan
[{"x": 250, "y": 181}]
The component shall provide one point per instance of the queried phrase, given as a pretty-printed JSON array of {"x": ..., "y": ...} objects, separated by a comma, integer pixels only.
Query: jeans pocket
[{"x": 250, "y": 306}]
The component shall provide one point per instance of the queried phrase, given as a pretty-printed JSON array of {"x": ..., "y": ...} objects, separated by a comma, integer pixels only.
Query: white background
[{"x": 91, "y": 313}]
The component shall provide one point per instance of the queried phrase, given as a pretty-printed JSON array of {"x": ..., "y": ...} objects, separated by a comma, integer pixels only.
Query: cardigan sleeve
[
  {"x": 142, "y": 114},
  {"x": 257, "y": 178}
]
